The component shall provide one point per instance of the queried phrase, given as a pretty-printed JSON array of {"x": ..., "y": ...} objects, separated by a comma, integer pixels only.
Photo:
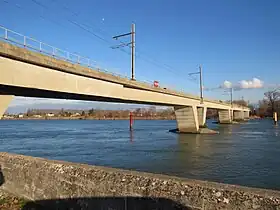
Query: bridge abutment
[
  {"x": 4, "y": 103},
  {"x": 187, "y": 119},
  {"x": 238, "y": 115},
  {"x": 225, "y": 116}
]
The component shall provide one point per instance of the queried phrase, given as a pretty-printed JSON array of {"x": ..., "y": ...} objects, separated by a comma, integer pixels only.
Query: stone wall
[{"x": 81, "y": 186}]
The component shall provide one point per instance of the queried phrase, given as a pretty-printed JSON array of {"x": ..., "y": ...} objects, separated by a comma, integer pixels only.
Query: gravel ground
[{"x": 10, "y": 202}]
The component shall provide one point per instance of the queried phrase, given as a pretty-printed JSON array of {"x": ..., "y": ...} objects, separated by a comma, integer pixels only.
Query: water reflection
[
  {"x": 131, "y": 136},
  {"x": 192, "y": 151}
]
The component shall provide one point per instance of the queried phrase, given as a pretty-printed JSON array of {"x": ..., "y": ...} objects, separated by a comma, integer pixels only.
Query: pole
[
  {"x": 231, "y": 112},
  {"x": 132, "y": 51},
  {"x": 201, "y": 85},
  {"x": 275, "y": 118},
  {"x": 231, "y": 90},
  {"x": 130, "y": 121},
  {"x": 132, "y": 43}
]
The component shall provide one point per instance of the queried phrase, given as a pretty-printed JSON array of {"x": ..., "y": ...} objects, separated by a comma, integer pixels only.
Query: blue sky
[{"x": 233, "y": 40}]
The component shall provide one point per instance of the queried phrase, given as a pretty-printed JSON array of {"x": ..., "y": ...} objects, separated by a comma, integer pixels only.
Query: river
[{"x": 244, "y": 154}]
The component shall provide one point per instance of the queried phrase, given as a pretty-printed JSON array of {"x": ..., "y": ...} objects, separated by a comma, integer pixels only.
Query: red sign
[{"x": 155, "y": 83}]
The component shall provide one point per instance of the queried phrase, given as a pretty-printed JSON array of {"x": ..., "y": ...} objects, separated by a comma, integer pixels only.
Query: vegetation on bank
[
  {"x": 10, "y": 202},
  {"x": 270, "y": 104},
  {"x": 264, "y": 108},
  {"x": 99, "y": 114}
]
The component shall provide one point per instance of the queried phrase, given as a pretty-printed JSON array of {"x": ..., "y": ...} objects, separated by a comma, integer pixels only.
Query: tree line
[{"x": 268, "y": 105}]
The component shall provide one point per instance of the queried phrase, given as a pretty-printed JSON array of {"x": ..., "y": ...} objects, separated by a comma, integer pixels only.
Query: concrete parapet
[
  {"x": 225, "y": 116},
  {"x": 79, "y": 186},
  {"x": 4, "y": 103}
]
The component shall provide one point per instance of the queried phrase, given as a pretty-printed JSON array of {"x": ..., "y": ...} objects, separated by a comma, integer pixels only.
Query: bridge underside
[{"x": 37, "y": 93}]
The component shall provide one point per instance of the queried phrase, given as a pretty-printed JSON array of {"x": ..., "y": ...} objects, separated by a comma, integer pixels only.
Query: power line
[
  {"x": 149, "y": 60},
  {"x": 85, "y": 27}
]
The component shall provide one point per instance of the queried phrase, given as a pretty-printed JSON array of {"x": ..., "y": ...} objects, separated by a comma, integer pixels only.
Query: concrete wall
[
  {"x": 4, "y": 103},
  {"x": 187, "y": 119},
  {"x": 55, "y": 182}
]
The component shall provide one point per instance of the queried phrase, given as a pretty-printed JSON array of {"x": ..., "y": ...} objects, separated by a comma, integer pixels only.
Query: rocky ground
[{"x": 11, "y": 202}]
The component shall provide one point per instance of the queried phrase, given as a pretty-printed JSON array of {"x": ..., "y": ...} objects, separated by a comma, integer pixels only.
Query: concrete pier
[
  {"x": 225, "y": 116},
  {"x": 246, "y": 114},
  {"x": 4, "y": 103},
  {"x": 187, "y": 119},
  {"x": 238, "y": 115},
  {"x": 64, "y": 185},
  {"x": 201, "y": 112}
]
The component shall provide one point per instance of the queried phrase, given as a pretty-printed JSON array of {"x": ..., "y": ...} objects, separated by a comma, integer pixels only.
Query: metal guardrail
[{"x": 35, "y": 45}]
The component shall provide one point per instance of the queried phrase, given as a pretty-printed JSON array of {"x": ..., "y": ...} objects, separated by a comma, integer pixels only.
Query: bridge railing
[
  {"x": 38, "y": 46},
  {"x": 35, "y": 45}
]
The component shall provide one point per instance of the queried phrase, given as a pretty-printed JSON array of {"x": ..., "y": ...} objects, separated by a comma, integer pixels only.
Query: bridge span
[{"x": 25, "y": 72}]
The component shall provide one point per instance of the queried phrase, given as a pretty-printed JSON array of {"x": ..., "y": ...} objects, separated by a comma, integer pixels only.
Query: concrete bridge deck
[
  {"x": 15, "y": 58},
  {"x": 32, "y": 74}
]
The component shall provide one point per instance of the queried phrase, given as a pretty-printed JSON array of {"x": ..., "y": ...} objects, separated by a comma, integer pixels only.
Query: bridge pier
[
  {"x": 246, "y": 114},
  {"x": 4, "y": 103},
  {"x": 201, "y": 112},
  {"x": 225, "y": 116},
  {"x": 187, "y": 119},
  {"x": 238, "y": 115}
]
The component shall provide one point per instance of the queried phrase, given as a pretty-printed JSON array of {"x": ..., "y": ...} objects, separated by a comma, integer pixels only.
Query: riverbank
[{"x": 64, "y": 185}]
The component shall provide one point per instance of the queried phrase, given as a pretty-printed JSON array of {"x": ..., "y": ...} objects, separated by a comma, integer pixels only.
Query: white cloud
[
  {"x": 243, "y": 84},
  {"x": 226, "y": 84},
  {"x": 254, "y": 83}
]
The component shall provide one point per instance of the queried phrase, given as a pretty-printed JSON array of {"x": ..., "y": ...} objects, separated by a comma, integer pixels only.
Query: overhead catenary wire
[
  {"x": 138, "y": 54},
  {"x": 85, "y": 27}
]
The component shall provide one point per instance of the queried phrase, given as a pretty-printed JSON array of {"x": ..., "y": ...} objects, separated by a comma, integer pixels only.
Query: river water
[{"x": 245, "y": 154}]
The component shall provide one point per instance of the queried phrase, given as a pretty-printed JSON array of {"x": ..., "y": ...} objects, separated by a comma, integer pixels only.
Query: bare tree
[
  {"x": 272, "y": 98},
  {"x": 240, "y": 102}
]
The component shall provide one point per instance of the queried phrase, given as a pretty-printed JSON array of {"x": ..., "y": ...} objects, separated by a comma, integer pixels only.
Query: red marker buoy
[{"x": 130, "y": 121}]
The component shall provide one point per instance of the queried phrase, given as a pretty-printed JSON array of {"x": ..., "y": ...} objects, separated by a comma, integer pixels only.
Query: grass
[{"x": 9, "y": 202}]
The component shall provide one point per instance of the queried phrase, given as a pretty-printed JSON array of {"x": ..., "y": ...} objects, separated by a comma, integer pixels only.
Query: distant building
[
  {"x": 8, "y": 116},
  {"x": 20, "y": 116},
  {"x": 76, "y": 115},
  {"x": 37, "y": 116},
  {"x": 50, "y": 115}
]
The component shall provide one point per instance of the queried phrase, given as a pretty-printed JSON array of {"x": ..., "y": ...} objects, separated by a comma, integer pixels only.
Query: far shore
[{"x": 87, "y": 118}]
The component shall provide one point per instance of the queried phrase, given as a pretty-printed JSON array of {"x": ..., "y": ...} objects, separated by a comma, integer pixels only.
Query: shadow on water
[{"x": 101, "y": 203}]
